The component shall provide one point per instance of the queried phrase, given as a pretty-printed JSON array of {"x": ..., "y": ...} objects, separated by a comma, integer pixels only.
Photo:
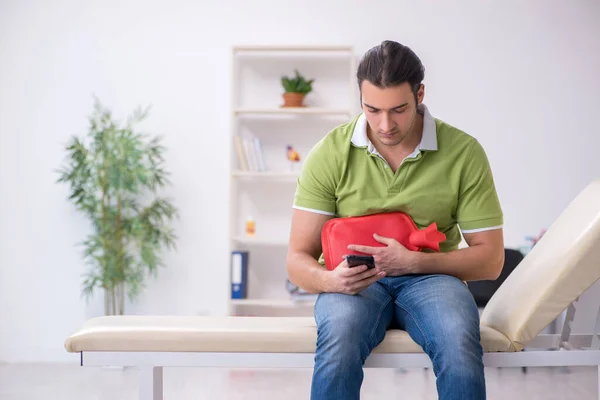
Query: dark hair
[{"x": 391, "y": 64}]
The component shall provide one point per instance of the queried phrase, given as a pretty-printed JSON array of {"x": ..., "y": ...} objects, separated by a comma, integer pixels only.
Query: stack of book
[{"x": 250, "y": 153}]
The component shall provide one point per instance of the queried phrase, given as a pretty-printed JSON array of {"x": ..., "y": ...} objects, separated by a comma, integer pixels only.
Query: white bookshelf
[
  {"x": 265, "y": 189},
  {"x": 284, "y": 303},
  {"x": 259, "y": 241},
  {"x": 292, "y": 111},
  {"x": 273, "y": 307},
  {"x": 275, "y": 49},
  {"x": 292, "y": 175}
]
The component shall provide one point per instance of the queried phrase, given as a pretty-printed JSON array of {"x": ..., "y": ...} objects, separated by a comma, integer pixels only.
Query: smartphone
[{"x": 356, "y": 260}]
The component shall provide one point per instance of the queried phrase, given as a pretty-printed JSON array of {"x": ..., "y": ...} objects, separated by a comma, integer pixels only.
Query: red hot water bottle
[{"x": 338, "y": 233}]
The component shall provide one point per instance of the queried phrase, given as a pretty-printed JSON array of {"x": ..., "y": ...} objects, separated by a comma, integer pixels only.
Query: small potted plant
[{"x": 295, "y": 90}]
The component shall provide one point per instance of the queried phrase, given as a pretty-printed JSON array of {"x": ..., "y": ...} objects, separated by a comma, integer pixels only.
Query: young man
[{"x": 396, "y": 157}]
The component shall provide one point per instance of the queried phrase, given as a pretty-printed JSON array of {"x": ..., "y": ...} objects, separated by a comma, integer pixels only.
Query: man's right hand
[{"x": 352, "y": 280}]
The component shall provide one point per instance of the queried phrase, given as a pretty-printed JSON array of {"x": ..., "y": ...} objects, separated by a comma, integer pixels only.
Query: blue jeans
[{"x": 437, "y": 311}]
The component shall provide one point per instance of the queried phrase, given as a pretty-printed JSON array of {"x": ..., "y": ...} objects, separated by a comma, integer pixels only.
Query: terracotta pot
[{"x": 293, "y": 100}]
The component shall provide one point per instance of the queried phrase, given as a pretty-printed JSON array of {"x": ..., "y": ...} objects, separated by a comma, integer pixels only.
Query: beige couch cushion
[
  {"x": 559, "y": 269},
  {"x": 228, "y": 334}
]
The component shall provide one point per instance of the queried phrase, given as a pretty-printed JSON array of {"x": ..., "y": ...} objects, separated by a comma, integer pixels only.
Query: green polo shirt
[{"x": 447, "y": 180}]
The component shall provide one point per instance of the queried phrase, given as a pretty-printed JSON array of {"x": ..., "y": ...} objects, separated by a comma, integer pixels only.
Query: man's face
[{"x": 391, "y": 112}]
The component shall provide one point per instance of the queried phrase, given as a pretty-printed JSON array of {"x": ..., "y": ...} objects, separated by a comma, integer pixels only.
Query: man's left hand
[{"x": 393, "y": 257}]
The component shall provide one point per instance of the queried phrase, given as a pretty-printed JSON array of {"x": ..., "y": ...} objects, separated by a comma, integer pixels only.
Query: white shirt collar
[{"x": 428, "y": 139}]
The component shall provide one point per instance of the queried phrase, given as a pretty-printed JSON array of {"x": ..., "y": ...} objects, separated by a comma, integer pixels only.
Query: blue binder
[{"x": 239, "y": 274}]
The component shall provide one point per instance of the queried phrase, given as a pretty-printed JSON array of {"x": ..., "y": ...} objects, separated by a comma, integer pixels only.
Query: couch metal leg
[
  {"x": 151, "y": 383},
  {"x": 598, "y": 382}
]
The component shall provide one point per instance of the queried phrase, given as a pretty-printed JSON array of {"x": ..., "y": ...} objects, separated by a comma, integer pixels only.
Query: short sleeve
[
  {"x": 316, "y": 186},
  {"x": 478, "y": 204}
]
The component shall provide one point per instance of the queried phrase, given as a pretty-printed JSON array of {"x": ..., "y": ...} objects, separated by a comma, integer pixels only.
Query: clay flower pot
[{"x": 293, "y": 99}]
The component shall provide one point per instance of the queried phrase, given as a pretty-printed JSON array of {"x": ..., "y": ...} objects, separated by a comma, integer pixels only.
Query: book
[{"x": 239, "y": 274}]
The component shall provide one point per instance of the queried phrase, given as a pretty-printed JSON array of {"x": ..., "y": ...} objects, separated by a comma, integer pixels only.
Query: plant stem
[
  {"x": 114, "y": 301},
  {"x": 122, "y": 298},
  {"x": 106, "y": 302},
  {"x": 120, "y": 267},
  {"x": 103, "y": 225},
  {"x": 119, "y": 233}
]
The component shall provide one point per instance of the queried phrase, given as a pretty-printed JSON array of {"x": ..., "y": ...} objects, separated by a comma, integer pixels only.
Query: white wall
[{"x": 520, "y": 76}]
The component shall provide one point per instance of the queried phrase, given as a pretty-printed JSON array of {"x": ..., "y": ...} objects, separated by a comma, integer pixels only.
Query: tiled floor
[{"x": 48, "y": 381}]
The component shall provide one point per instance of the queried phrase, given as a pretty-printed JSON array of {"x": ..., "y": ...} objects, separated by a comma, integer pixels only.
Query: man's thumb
[{"x": 382, "y": 239}]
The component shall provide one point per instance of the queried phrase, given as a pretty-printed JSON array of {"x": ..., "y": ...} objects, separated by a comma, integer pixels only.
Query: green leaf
[{"x": 297, "y": 84}]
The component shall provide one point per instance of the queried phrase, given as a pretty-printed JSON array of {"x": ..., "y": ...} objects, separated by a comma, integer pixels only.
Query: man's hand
[
  {"x": 352, "y": 280},
  {"x": 393, "y": 258}
]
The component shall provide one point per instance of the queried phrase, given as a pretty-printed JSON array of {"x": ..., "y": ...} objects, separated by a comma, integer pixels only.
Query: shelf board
[
  {"x": 293, "y": 175},
  {"x": 293, "y": 48},
  {"x": 261, "y": 241},
  {"x": 274, "y": 302},
  {"x": 292, "y": 111}
]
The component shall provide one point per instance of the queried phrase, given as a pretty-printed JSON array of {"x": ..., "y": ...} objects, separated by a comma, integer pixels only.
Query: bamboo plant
[{"x": 114, "y": 174}]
